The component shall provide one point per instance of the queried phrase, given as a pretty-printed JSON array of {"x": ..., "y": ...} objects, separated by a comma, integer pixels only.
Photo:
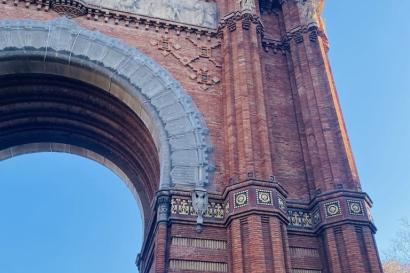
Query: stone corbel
[
  {"x": 200, "y": 205},
  {"x": 247, "y": 19}
]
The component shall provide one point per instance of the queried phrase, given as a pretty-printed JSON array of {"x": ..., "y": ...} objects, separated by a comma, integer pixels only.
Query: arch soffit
[{"x": 62, "y": 47}]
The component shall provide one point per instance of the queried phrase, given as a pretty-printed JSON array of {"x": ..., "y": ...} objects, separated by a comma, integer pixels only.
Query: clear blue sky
[
  {"x": 62, "y": 213},
  {"x": 369, "y": 53}
]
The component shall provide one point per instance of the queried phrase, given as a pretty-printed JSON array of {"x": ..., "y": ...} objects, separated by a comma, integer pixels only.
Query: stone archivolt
[{"x": 170, "y": 104}]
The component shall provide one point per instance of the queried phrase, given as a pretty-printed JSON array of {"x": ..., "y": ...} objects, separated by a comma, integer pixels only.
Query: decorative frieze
[
  {"x": 329, "y": 212},
  {"x": 193, "y": 12},
  {"x": 74, "y": 8},
  {"x": 300, "y": 219},
  {"x": 184, "y": 207}
]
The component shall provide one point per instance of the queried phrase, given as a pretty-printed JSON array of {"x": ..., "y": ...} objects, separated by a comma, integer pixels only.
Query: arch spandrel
[{"x": 61, "y": 47}]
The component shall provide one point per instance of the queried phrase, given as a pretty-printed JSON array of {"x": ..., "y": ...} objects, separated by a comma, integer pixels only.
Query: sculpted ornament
[
  {"x": 200, "y": 205},
  {"x": 248, "y": 5},
  {"x": 310, "y": 11}
]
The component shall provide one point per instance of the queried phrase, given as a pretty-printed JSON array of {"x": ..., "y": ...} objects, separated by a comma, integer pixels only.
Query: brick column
[
  {"x": 245, "y": 114},
  {"x": 329, "y": 149},
  {"x": 160, "y": 249},
  {"x": 333, "y": 262},
  {"x": 257, "y": 228},
  {"x": 345, "y": 227},
  {"x": 349, "y": 250}
]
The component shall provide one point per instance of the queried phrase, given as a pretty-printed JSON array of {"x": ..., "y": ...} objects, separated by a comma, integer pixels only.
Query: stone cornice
[{"x": 297, "y": 35}]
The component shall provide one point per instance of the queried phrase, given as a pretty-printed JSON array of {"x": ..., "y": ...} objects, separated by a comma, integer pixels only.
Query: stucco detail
[{"x": 64, "y": 48}]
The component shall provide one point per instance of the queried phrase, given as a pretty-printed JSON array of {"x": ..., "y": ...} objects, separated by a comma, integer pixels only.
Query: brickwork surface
[{"x": 285, "y": 195}]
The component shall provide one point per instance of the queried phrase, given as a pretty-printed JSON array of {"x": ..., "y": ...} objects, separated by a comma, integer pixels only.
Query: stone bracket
[{"x": 245, "y": 17}]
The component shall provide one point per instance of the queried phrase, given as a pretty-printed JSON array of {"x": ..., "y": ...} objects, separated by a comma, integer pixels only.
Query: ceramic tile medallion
[
  {"x": 333, "y": 209},
  {"x": 264, "y": 197},
  {"x": 355, "y": 207},
  {"x": 241, "y": 199}
]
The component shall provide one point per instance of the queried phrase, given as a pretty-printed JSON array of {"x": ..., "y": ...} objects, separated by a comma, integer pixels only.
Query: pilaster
[
  {"x": 257, "y": 223},
  {"x": 330, "y": 154},
  {"x": 246, "y": 135}
]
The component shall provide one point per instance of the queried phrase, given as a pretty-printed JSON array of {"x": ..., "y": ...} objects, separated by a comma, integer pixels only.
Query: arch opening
[
  {"x": 51, "y": 113},
  {"x": 62, "y": 48},
  {"x": 66, "y": 213}
]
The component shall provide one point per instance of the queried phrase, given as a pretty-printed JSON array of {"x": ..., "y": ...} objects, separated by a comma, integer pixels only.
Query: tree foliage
[{"x": 397, "y": 260}]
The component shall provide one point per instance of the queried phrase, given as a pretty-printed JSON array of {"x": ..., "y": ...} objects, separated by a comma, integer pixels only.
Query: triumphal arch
[{"x": 221, "y": 116}]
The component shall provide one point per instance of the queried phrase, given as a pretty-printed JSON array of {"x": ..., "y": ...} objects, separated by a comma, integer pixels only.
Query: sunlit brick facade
[{"x": 280, "y": 191}]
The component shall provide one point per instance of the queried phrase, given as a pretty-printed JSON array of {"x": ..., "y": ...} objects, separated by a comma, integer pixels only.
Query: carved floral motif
[
  {"x": 300, "y": 219},
  {"x": 264, "y": 197},
  {"x": 182, "y": 206},
  {"x": 355, "y": 207},
  {"x": 241, "y": 199},
  {"x": 333, "y": 209}
]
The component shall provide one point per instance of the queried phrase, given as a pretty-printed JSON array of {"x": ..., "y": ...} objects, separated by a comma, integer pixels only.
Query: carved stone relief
[
  {"x": 200, "y": 205},
  {"x": 196, "y": 12},
  {"x": 310, "y": 11},
  {"x": 185, "y": 207},
  {"x": 248, "y": 5},
  {"x": 200, "y": 64}
]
